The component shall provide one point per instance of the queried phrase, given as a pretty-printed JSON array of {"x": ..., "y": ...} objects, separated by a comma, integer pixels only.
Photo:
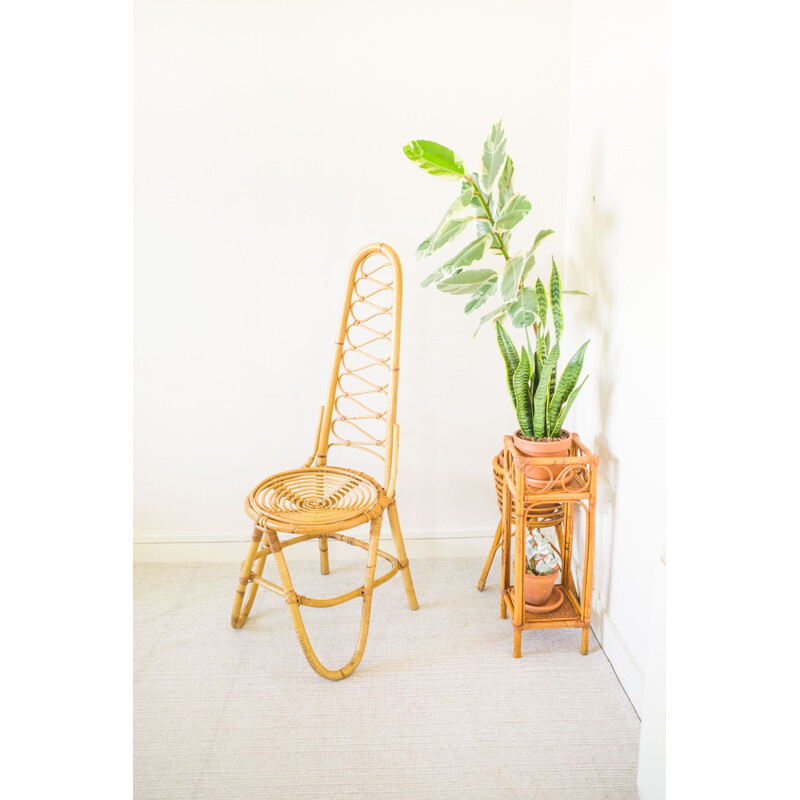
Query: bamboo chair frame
[
  {"x": 576, "y": 485},
  {"x": 320, "y": 501}
]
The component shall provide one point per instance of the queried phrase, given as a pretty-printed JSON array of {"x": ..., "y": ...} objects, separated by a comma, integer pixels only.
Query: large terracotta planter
[
  {"x": 538, "y": 588},
  {"x": 541, "y": 477}
]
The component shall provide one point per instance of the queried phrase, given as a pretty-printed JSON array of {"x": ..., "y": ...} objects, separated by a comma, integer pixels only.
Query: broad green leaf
[
  {"x": 505, "y": 185},
  {"x": 510, "y": 358},
  {"x": 458, "y": 205},
  {"x": 449, "y": 231},
  {"x": 569, "y": 377},
  {"x": 435, "y": 276},
  {"x": 542, "y": 395},
  {"x": 465, "y": 282},
  {"x": 435, "y": 158},
  {"x": 539, "y": 237},
  {"x": 530, "y": 261},
  {"x": 472, "y": 252},
  {"x": 513, "y": 212},
  {"x": 555, "y": 300},
  {"x": 493, "y": 316},
  {"x": 522, "y": 393},
  {"x": 556, "y": 429},
  {"x": 541, "y": 302},
  {"x": 523, "y": 310},
  {"x": 494, "y": 156},
  {"x": 512, "y": 272},
  {"x": 483, "y": 293}
]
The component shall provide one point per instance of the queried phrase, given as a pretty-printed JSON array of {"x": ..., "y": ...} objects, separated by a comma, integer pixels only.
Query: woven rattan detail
[
  {"x": 564, "y": 612},
  {"x": 314, "y": 495}
]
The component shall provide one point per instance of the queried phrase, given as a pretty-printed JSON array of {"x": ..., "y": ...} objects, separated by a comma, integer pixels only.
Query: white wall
[
  {"x": 268, "y": 149},
  {"x": 615, "y": 251}
]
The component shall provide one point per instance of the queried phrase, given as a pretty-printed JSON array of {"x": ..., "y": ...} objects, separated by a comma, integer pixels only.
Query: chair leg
[
  {"x": 294, "y": 605},
  {"x": 394, "y": 524},
  {"x": 241, "y": 608},
  {"x": 490, "y": 558},
  {"x": 323, "y": 555}
]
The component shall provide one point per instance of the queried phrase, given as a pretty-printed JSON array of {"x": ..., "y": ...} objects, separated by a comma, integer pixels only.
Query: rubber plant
[{"x": 541, "y": 399}]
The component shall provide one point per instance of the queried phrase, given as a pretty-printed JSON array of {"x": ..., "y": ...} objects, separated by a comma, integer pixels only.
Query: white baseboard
[
  {"x": 627, "y": 668},
  {"x": 231, "y": 549}
]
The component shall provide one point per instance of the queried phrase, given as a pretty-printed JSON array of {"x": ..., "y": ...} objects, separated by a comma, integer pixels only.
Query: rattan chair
[{"x": 319, "y": 501}]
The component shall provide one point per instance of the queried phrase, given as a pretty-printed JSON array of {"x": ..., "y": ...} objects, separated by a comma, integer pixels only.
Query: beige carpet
[{"x": 437, "y": 709}]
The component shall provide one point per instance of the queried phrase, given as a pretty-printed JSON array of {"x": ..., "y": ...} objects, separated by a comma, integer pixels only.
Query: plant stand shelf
[{"x": 573, "y": 482}]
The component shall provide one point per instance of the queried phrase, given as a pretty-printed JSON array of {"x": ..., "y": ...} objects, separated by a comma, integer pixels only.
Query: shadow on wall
[{"x": 595, "y": 315}]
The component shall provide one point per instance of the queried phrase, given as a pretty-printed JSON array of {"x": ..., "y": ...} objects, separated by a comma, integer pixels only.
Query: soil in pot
[{"x": 540, "y": 477}]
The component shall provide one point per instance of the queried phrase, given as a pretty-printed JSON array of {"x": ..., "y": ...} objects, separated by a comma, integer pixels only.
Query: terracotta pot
[
  {"x": 538, "y": 588},
  {"x": 542, "y": 476}
]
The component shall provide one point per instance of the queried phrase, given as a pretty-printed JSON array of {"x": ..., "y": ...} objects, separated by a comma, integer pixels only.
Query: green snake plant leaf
[
  {"x": 538, "y": 365},
  {"x": 510, "y": 358},
  {"x": 494, "y": 156},
  {"x": 465, "y": 282},
  {"x": 541, "y": 302},
  {"x": 448, "y": 231},
  {"x": 556, "y": 429},
  {"x": 459, "y": 204},
  {"x": 522, "y": 394},
  {"x": 569, "y": 377},
  {"x": 523, "y": 311},
  {"x": 542, "y": 395},
  {"x": 435, "y": 158},
  {"x": 498, "y": 315},
  {"x": 512, "y": 274},
  {"x": 555, "y": 300},
  {"x": 513, "y": 212},
  {"x": 482, "y": 294},
  {"x": 505, "y": 185}
]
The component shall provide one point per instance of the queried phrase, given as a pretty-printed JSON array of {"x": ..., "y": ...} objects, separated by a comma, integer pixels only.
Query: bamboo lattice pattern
[{"x": 362, "y": 402}]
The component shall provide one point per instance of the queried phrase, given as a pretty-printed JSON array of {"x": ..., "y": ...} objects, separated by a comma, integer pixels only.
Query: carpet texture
[{"x": 438, "y": 707}]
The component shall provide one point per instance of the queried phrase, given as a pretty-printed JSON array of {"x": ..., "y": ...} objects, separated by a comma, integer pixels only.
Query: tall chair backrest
[{"x": 361, "y": 407}]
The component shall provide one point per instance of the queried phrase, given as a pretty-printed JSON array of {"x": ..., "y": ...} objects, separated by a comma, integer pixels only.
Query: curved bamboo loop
[{"x": 318, "y": 500}]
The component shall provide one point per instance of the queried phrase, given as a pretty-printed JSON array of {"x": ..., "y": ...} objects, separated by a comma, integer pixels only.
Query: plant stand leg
[
  {"x": 585, "y": 642},
  {"x": 490, "y": 558},
  {"x": 517, "y": 644}
]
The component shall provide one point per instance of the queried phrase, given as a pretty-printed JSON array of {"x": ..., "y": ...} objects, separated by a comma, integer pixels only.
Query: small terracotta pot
[
  {"x": 538, "y": 588},
  {"x": 542, "y": 476}
]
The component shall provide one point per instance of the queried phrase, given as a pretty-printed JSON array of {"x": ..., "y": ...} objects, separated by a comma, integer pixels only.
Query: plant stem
[{"x": 488, "y": 216}]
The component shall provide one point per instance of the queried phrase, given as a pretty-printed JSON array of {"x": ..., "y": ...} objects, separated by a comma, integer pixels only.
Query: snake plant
[{"x": 488, "y": 200}]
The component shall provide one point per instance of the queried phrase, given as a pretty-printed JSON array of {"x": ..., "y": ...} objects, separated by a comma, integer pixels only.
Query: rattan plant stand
[
  {"x": 541, "y": 517},
  {"x": 320, "y": 501},
  {"x": 575, "y": 486}
]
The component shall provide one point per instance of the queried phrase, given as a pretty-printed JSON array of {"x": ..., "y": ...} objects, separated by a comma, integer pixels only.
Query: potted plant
[
  {"x": 541, "y": 399},
  {"x": 541, "y": 568}
]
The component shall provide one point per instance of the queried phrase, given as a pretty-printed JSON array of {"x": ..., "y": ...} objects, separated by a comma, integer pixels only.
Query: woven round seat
[{"x": 313, "y": 497}]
